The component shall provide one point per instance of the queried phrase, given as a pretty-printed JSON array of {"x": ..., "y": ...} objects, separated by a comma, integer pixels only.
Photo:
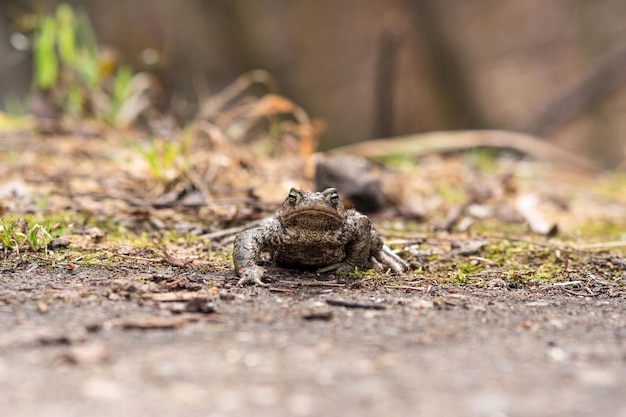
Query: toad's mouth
[{"x": 307, "y": 212}]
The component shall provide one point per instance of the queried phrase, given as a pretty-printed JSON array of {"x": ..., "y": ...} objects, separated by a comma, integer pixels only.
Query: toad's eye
[
  {"x": 293, "y": 196},
  {"x": 334, "y": 198}
]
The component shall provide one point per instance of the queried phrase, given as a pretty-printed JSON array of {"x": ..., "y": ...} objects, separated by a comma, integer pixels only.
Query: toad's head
[{"x": 309, "y": 210}]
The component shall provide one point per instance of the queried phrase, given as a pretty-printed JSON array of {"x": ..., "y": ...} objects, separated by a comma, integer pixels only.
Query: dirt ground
[
  {"x": 142, "y": 315},
  {"x": 119, "y": 341}
]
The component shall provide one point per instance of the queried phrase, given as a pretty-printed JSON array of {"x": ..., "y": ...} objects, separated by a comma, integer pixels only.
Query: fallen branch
[
  {"x": 420, "y": 144},
  {"x": 355, "y": 304},
  {"x": 177, "y": 296}
]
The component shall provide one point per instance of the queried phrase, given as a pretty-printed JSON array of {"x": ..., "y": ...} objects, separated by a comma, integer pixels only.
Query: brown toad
[{"x": 313, "y": 231}]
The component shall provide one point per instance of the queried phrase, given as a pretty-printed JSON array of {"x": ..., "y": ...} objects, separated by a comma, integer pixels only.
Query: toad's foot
[
  {"x": 387, "y": 259},
  {"x": 252, "y": 275}
]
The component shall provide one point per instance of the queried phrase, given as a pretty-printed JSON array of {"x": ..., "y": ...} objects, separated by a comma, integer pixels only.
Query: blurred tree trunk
[
  {"x": 385, "y": 82},
  {"x": 448, "y": 75}
]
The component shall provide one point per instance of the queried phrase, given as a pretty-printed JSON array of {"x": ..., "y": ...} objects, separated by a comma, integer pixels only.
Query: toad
[{"x": 313, "y": 230}]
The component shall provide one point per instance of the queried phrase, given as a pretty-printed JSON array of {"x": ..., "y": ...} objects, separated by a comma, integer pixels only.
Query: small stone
[
  {"x": 423, "y": 304},
  {"x": 58, "y": 244},
  {"x": 87, "y": 354},
  {"x": 102, "y": 389},
  {"x": 200, "y": 305},
  {"x": 317, "y": 313},
  {"x": 558, "y": 354},
  {"x": 538, "y": 303}
]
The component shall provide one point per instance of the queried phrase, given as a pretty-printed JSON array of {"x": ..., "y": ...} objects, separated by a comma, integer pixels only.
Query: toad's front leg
[
  {"x": 247, "y": 250},
  {"x": 246, "y": 253}
]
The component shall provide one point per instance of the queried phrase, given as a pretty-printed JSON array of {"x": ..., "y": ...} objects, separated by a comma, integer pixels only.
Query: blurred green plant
[
  {"x": 168, "y": 159},
  {"x": 18, "y": 234},
  {"x": 70, "y": 69}
]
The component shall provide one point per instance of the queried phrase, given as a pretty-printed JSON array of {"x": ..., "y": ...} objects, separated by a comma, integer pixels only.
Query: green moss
[
  {"x": 614, "y": 185},
  {"x": 470, "y": 268},
  {"x": 457, "y": 277},
  {"x": 485, "y": 160},
  {"x": 548, "y": 272},
  {"x": 398, "y": 161},
  {"x": 601, "y": 231},
  {"x": 451, "y": 195}
]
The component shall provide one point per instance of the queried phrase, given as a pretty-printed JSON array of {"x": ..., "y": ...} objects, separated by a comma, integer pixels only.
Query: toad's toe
[
  {"x": 387, "y": 258},
  {"x": 252, "y": 275}
]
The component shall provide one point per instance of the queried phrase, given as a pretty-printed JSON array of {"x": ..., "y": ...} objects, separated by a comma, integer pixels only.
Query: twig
[
  {"x": 283, "y": 290},
  {"x": 136, "y": 258},
  {"x": 569, "y": 292},
  {"x": 169, "y": 258},
  {"x": 355, "y": 304},
  {"x": 404, "y": 287},
  {"x": 405, "y": 242},
  {"x": 177, "y": 296},
  {"x": 212, "y": 106},
  {"x": 567, "y": 284},
  {"x": 199, "y": 183},
  {"x": 483, "y": 261},
  {"x": 601, "y": 245},
  {"x": 233, "y": 230},
  {"x": 452, "y": 217},
  {"x": 320, "y": 284},
  {"x": 175, "y": 282}
]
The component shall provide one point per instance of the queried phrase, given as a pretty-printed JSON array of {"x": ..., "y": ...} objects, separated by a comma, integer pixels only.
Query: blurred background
[{"x": 373, "y": 69}]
